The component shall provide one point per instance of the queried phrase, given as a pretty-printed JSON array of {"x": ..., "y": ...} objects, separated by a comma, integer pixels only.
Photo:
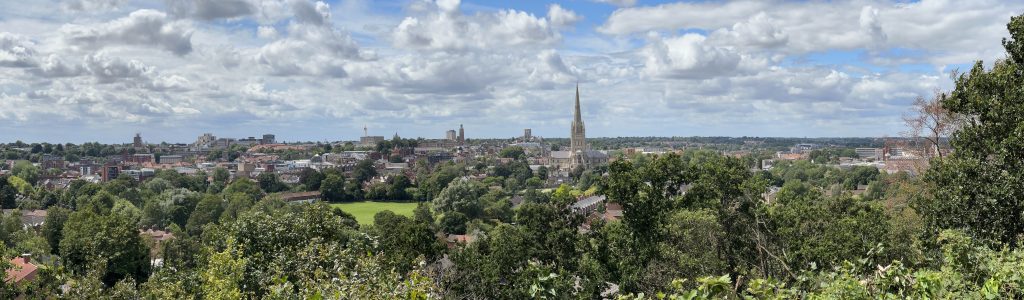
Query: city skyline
[{"x": 314, "y": 71}]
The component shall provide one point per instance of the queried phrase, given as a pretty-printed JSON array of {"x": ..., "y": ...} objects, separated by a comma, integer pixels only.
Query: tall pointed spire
[{"x": 576, "y": 117}]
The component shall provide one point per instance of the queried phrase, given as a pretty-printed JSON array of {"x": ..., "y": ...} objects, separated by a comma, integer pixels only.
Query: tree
[
  {"x": 514, "y": 152},
  {"x": 454, "y": 223},
  {"x": 8, "y": 193},
  {"x": 269, "y": 182},
  {"x": 364, "y": 171},
  {"x": 53, "y": 227},
  {"x": 977, "y": 188},
  {"x": 311, "y": 178},
  {"x": 403, "y": 240},
  {"x": 399, "y": 184},
  {"x": 931, "y": 121},
  {"x": 332, "y": 188},
  {"x": 25, "y": 170},
  {"x": 245, "y": 186},
  {"x": 109, "y": 240},
  {"x": 460, "y": 196},
  {"x": 207, "y": 211}
]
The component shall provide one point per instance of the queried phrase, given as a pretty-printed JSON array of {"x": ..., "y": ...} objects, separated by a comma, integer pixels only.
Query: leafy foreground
[{"x": 968, "y": 271}]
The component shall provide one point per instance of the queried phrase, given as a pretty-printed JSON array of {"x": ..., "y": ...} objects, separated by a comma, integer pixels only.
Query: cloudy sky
[{"x": 101, "y": 70}]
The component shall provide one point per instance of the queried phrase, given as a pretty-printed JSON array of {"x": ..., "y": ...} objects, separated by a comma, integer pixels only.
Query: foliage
[{"x": 976, "y": 188}]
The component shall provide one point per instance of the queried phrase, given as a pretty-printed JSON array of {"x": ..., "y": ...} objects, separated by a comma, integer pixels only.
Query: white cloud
[
  {"x": 688, "y": 56},
  {"x": 16, "y": 51},
  {"x": 562, "y": 17},
  {"x": 108, "y": 70},
  {"x": 210, "y": 9},
  {"x": 91, "y": 5},
  {"x": 445, "y": 28},
  {"x": 758, "y": 31},
  {"x": 147, "y": 28},
  {"x": 318, "y": 13}
]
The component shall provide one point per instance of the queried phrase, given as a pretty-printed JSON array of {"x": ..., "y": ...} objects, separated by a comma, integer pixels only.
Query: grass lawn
[{"x": 364, "y": 211}]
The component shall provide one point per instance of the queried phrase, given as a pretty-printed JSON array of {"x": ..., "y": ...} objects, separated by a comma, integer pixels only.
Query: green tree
[
  {"x": 53, "y": 227},
  {"x": 25, "y": 170},
  {"x": 333, "y": 188},
  {"x": 364, "y": 171},
  {"x": 977, "y": 188},
  {"x": 460, "y": 196},
  {"x": 311, "y": 178},
  {"x": 110, "y": 240},
  {"x": 269, "y": 182}
]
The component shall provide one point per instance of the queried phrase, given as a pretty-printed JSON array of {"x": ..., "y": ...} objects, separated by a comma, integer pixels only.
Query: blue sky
[{"x": 102, "y": 70}]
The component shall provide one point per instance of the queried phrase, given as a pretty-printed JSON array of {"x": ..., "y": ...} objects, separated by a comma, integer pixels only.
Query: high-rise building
[
  {"x": 268, "y": 139},
  {"x": 527, "y": 135},
  {"x": 462, "y": 135},
  {"x": 450, "y": 135},
  {"x": 137, "y": 141}
]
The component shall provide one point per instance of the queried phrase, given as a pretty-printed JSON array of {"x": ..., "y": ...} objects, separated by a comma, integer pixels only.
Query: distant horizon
[{"x": 280, "y": 140}]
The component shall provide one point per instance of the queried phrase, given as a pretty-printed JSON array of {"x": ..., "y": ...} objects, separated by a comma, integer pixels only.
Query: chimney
[{"x": 26, "y": 257}]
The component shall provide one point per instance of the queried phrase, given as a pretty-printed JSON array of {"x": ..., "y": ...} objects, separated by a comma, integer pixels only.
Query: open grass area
[{"x": 364, "y": 211}]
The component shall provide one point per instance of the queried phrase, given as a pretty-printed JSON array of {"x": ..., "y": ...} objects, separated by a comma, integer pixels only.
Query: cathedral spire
[{"x": 576, "y": 117}]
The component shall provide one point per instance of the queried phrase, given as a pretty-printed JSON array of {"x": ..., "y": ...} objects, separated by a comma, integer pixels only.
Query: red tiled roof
[{"x": 22, "y": 270}]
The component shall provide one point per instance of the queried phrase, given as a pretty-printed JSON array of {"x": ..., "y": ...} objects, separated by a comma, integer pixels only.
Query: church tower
[{"x": 578, "y": 136}]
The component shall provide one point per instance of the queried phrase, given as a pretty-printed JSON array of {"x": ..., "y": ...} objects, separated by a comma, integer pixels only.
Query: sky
[{"x": 171, "y": 70}]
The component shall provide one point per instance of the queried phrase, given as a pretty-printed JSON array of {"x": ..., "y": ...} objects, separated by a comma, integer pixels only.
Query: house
[
  {"x": 588, "y": 205},
  {"x": 454, "y": 240},
  {"x": 612, "y": 211},
  {"x": 300, "y": 197},
  {"x": 29, "y": 218},
  {"x": 22, "y": 270}
]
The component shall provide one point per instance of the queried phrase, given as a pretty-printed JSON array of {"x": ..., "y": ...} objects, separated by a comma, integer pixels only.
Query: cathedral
[{"x": 579, "y": 154}]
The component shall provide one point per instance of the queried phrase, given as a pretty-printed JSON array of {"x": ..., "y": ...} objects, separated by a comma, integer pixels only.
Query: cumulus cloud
[
  {"x": 16, "y": 51},
  {"x": 562, "y": 17},
  {"x": 312, "y": 46},
  {"x": 318, "y": 13},
  {"x": 53, "y": 66},
  {"x": 210, "y": 9},
  {"x": 140, "y": 28},
  {"x": 445, "y": 28},
  {"x": 688, "y": 56},
  {"x": 758, "y": 31},
  {"x": 108, "y": 70},
  {"x": 89, "y": 5},
  {"x": 967, "y": 28}
]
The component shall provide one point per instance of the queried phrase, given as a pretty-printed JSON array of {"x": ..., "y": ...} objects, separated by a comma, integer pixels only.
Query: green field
[{"x": 364, "y": 211}]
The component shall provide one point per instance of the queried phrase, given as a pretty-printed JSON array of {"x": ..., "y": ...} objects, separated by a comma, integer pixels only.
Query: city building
[
  {"x": 579, "y": 154},
  {"x": 369, "y": 141},
  {"x": 137, "y": 141},
  {"x": 204, "y": 141},
  {"x": 527, "y": 135},
  {"x": 171, "y": 159},
  {"x": 450, "y": 135},
  {"x": 869, "y": 153},
  {"x": 48, "y": 161},
  {"x": 462, "y": 136},
  {"x": 268, "y": 139},
  {"x": 110, "y": 172}
]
